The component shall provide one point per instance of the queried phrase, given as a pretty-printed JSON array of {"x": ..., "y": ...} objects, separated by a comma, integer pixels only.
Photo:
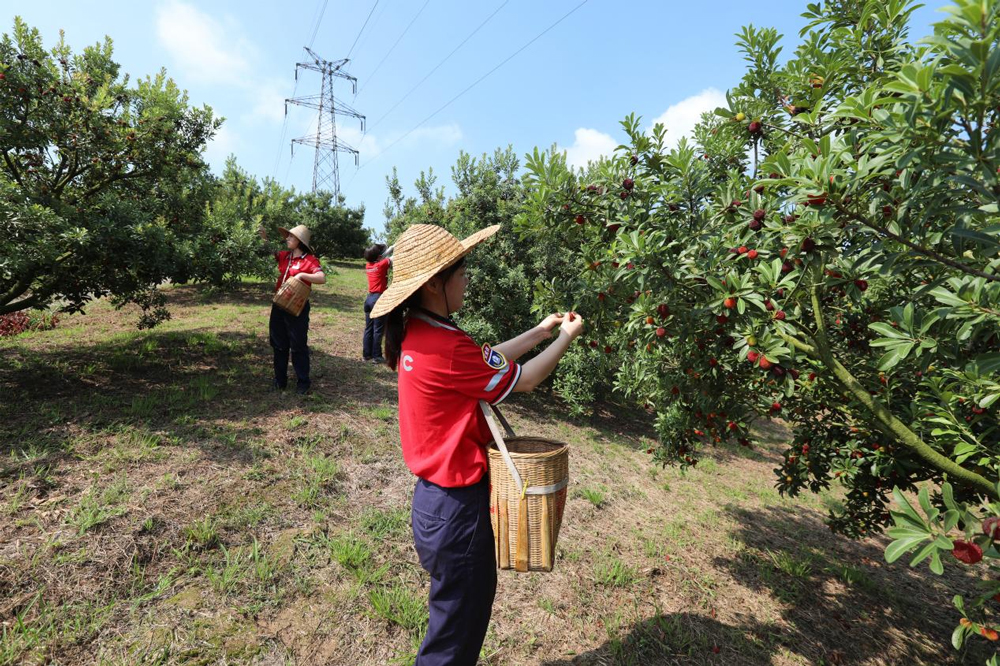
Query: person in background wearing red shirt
[
  {"x": 288, "y": 333},
  {"x": 443, "y": 376},
  {"x": 377, "y": 263}
]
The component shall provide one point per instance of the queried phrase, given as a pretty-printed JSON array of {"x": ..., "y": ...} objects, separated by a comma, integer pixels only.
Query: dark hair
[
  {"x": 374, "y": 252},
  {"x": 395, "y": 321}
]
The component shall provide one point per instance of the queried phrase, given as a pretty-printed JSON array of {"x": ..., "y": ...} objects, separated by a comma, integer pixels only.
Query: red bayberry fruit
[
  {"x": 623, "y": 195},
  {"x": 593, "y": 344},
  {"x": 752, "y": 254},
  {"x": 861, "y": 284},
  {"x": 794, "y": 373},
  {"x": 675, "y": 390},
  {"x": 712, "y": 362},
  {"x": 755, "y": 127},
  {"x": 755, "y": 225},
  {"x": 722, "y": 319},
  {"x": 816, "y": 200},
  {"x": 730, "y": 302},
  {"x": 650, "y": 320},
  {"x": 775, "y": 406},
  {"x": 580, "y": 219},
  {"x": 808, "y": 245},
  {"x": 765, "y": 363},
  {"x": 789, "y": 219},
  {"x": 967, "y": 552},
  {"x": 753, "y": 356},
  {"x": 812, "y": 376},
  {"x": 660, "y": 332},
  {"x": 780, "y": 315},
  {"x": 759, "y": 214},
  {"x": 633, "y": 160},
  {"x": 607, "y": 349},
  {"x": 663, "y": 310},
  {"x": 628, "y": 184},
  {"x": 742, "y": 249},
  {"x": 614, "y": 227}
]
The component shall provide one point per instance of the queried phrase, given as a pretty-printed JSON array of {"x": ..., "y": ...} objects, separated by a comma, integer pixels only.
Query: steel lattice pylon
[{"x": 326, "y": 170}]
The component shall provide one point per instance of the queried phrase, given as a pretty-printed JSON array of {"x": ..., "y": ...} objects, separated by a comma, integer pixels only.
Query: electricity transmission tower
[{"x": 326, "y": 173}]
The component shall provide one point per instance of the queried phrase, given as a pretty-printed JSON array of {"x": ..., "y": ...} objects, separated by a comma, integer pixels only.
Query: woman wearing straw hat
[
  {"x": 443, "y": 375},
  {"x": 290, "y": 333}
]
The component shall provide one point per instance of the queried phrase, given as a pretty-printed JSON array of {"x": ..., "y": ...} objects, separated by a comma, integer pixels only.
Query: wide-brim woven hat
[
  {"x": 420, "y": 253},
  {"x": 301, "y": 232}
]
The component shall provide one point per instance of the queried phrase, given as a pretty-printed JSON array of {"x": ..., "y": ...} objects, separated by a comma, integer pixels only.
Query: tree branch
[
  {"x": 936, "y": 256},
  {"x": 883, "y": 416}
]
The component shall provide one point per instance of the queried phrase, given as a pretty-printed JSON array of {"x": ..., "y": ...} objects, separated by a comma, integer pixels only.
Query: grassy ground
[{"x": 159, "y": 506}]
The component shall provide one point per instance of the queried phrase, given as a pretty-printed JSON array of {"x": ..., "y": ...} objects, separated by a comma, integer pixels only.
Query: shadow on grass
[
  {"x": 840, "y": 604},
  {"x": 197, "y": 387},
  {"x": 841, "y": 597},
  {"x": 257, "y": 294}
]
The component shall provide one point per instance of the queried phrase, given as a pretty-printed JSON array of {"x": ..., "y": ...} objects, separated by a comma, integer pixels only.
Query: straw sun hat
[
  {"x": 301, "y": 232},
  {"x": 423, "y": 251}
]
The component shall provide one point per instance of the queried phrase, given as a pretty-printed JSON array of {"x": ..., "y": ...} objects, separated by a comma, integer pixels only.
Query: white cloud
[
  {"x": 204, "y": 49},
  {"x": 589, "y": 145},
  {"x": 268, "y": 102},
  {"x": 679, "y": 119}
]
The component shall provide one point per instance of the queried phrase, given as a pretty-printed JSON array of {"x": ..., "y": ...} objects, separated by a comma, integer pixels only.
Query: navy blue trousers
[
  {"x": 454, "y": 541},
  {"x": 290, "y": 334},
  {"x": 373, "y": 330}
]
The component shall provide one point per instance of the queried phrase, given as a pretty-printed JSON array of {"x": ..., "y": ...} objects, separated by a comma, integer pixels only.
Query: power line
[
  {"x": 362, "y": 29},
  {"x": 437, "y": 66},
  {"x": 394, "y": 45},
  {"x": 474, "y": 83},
  {"x": 366, "y": 37},
  {"x": 318, "y": 22}
]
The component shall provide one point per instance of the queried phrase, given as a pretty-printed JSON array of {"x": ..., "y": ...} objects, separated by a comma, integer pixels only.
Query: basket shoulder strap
[
  {"x": 506, "y": 426},
  {"x": 498, "y": 437}
]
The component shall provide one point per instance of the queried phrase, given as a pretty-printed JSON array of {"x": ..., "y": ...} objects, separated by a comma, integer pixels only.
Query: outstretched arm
[
  {"x": 515, "y": 348},
  {"x": 537, "y": 369}
]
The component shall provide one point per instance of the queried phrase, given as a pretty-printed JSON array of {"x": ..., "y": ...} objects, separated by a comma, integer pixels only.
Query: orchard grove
[{"x": 825, "y": 250}]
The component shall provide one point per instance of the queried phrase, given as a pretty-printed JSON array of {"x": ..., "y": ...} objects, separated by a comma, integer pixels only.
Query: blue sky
[{"x": 665, "y": 61}]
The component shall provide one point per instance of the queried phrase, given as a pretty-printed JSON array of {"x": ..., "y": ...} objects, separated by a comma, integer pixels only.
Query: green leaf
[
  {"x": 958, "y": 637},
  {"x": 905, "y": 506},
  {"x": 949, "y": 496},
  {"x": 900, "y": 547},
  {"x": 888, "y": 330},
  {"x": 924, "y": 553},
  {"x": 937, "y": 566}
]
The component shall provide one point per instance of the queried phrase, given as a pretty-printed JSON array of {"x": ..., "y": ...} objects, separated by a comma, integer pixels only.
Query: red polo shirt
[
  {"x": 307, "y": 263},
  {"x": 443, "y": 375},
  {"x": 378, "y": 275}
]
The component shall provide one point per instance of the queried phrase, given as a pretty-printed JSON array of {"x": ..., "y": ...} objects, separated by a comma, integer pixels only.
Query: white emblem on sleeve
[{"x": 407, "y": 362}]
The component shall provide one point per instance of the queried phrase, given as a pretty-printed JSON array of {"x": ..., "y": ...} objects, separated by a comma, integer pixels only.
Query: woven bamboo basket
[
  {"x": 292, "y": 296},
  {"x": 527, "y": 496}
]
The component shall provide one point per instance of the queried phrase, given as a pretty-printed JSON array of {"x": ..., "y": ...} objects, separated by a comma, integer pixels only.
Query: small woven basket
[
  {"x": 528, "y": 481},
  {"x": 292, "y": 296}
]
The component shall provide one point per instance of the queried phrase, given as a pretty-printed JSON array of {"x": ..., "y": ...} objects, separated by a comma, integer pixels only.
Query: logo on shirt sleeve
[{"x": 493, "y": 358}]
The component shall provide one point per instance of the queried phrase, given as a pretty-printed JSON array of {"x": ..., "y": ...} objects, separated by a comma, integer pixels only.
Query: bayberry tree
[
  {"x": 102, "y": 182},
  {"x": 825, "y": 251}
]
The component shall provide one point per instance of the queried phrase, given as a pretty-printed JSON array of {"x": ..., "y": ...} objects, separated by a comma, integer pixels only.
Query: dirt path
[{"x": 159, "y": 505}]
